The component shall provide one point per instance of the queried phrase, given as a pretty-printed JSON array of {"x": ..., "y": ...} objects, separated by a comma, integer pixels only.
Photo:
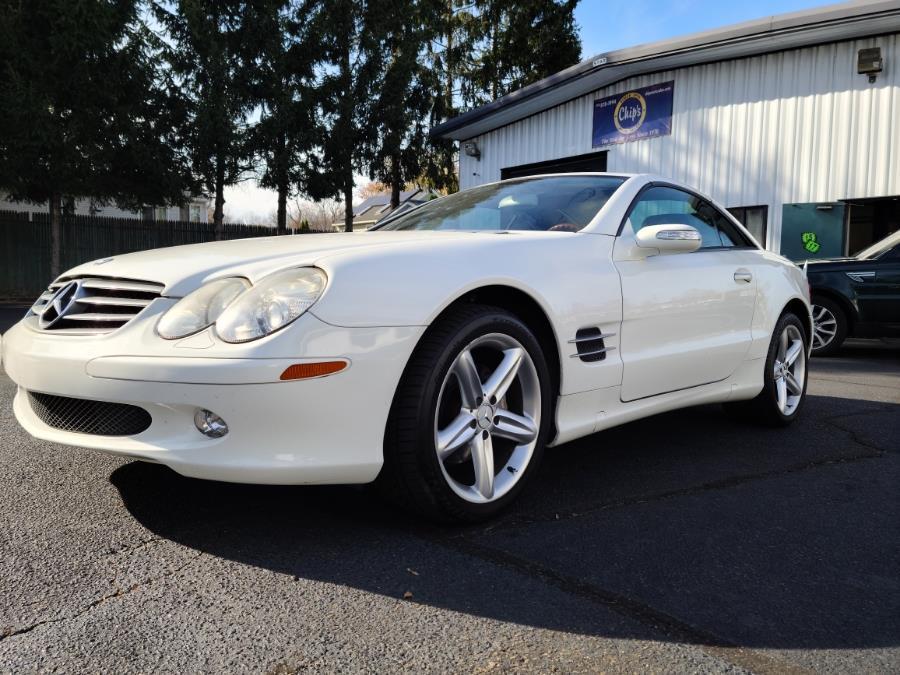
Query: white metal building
[{"x": 772, "y": 118}]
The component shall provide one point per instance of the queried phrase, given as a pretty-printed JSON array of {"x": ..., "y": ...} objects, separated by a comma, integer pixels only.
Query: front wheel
[
  {"x": 785, "y": 377},
  {"x": 470, "y": 418},
  {"x": 829, "y": 326}
]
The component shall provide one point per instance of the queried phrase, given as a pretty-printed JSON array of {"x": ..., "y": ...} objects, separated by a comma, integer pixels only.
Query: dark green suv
[{"x": 856, "y": 297}]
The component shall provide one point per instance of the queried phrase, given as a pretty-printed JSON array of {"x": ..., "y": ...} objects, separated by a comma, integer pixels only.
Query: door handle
[{"x": 743, "y": 276}]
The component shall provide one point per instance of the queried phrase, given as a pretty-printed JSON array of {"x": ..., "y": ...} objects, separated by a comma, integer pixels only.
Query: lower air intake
[{"x": 83, "y": 416}]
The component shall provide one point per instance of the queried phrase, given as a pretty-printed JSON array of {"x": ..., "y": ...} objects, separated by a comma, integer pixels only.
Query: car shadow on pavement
[{"x": 705, "y": 529}]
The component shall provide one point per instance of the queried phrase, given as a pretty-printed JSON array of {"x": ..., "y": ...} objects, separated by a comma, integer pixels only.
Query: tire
[
  {"x": 769, "y": 408},
  {"x": 434, "y": 410},
  {"x": 830, "y": 326}
]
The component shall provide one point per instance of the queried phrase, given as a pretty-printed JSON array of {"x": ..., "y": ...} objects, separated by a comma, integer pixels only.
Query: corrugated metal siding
[{"x": 795, "y": 126}]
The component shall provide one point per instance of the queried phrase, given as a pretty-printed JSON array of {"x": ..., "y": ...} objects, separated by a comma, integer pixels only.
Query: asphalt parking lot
[{"x": 686, "y": 542}]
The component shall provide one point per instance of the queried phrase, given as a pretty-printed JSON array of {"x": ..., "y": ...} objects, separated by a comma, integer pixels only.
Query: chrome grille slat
[
  {"x": 123, "y": 285},
  {"x": 93, "y": 305},
  {"x": 117, "y": 302},
  {"x": 83, "y": 331},
  {"x": 43, "y": 299},
  {"x": 98, "y": 316}
]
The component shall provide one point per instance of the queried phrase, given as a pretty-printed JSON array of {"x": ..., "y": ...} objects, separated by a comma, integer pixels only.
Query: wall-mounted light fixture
[
  {"x": 471, "y": 149},
  {"x": 869, "y": 62}
]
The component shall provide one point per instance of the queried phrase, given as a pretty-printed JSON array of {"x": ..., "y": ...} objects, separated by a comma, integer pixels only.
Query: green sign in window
[{"x": 812, "y": 230}]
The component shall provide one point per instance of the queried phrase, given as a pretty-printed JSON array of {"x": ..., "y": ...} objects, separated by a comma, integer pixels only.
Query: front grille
[
  {"x": 84, "y": 416},
  {"x": 93, "y": 305}
]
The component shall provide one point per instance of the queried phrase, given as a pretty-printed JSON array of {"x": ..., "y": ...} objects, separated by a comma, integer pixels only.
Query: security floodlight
[
  {"x": 471, "y": 149},
  {"x": 869, "y": 62}
]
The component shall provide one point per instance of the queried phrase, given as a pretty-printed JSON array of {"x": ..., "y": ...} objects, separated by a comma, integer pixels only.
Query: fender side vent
[{"x": 590, "y": 345}]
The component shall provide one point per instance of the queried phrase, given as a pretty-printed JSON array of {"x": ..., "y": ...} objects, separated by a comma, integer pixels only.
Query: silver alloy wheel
[
  {"x": 824, "y": 327},
  {"x": 789, "y": 371},
  {"x": 488, "y": 413}
]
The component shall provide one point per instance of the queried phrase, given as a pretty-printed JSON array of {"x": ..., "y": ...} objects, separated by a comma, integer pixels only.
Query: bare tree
[
  {"x": 318, "y": 216},
  {"x": 372, "y": 188}
]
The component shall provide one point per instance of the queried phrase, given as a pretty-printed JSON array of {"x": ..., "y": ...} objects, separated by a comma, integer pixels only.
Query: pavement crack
[
  {"x": 634, "y": 610},
  {"x": 118, "y": 593},
  {"x": 854, "y": 435},
  {"x": 136, "y": 547},
  {"x": 514, "y": 522}
]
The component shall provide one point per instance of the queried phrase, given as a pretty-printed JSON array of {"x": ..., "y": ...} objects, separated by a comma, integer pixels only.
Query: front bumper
[{"x": 323, "y": 430}]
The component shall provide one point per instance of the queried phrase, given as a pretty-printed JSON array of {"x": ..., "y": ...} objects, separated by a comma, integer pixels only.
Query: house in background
[
  {"x": 377, "y": 207},
  {"x": 792, "y": 122},
  {"x": 193, "y": 210}
]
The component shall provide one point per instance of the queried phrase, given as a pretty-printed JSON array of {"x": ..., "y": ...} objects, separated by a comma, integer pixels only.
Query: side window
[
  {"x": 754, "y": 219},
  {"x": 661, "y": 205},
  {"x": 729, "y": 234},
  {"x": 719, "y": 223}
]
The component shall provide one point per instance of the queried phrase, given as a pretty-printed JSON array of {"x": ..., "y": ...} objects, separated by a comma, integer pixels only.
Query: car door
[
  {"x": 877, "y": 288},
  {"x": 686, "y": 317}
]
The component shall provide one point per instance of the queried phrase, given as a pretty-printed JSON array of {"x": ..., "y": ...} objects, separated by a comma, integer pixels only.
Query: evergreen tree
[
  {"x": 352, "y": 32},
  {"x": 84, "y": 109},
  {"x": 515, "y": 43},
  {"x": 445, "y": 56},
  {"x": 485, "y": 49},
  {"x": 288, "y": 133},
  {"x": 214, "y": 46},
  {"x": 399, "y": 115}
]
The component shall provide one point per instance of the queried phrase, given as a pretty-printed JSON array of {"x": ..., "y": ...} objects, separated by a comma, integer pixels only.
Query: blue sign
[{"x": 633, "y": 116}]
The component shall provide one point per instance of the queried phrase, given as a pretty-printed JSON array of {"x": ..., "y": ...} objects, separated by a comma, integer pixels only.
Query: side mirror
[{"x": 663, "y": 239}]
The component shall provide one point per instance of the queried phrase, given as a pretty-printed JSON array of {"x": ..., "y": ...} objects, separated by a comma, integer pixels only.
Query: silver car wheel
[
  {"x": 789, "y": 371},
  {"x": 488, "y": 418},
  {"x": 824, "y": 327}
]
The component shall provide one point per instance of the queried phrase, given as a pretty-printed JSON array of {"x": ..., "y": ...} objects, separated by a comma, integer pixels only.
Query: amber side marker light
[{"x": 302, "y": 371}]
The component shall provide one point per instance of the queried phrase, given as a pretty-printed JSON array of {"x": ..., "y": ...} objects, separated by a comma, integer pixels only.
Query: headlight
[
  {"x": 200, "y": 309},
  {"x": 271, "y": 304}
]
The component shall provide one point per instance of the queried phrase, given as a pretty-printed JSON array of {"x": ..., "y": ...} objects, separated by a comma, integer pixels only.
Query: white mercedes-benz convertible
[{"x": 437, "y": 355}]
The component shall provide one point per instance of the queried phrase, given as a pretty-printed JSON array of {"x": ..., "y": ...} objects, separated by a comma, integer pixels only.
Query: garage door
[{"x": 595, "y": 161}]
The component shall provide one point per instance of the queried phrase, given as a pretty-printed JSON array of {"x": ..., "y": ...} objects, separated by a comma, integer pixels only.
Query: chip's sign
[{"x": 634, "y": 115}]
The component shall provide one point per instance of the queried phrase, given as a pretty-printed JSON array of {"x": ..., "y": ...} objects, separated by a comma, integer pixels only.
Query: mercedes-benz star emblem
[{"x": 60, "y": 304}]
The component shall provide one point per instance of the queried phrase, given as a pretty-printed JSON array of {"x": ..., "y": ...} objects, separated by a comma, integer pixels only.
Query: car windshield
[
  {"x": 557, "y": 203},
  {"x": 879, "y": 247}
]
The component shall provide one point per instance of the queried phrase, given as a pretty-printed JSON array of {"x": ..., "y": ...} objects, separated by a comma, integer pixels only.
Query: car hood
[
  {"x": 181, "y": 269},
  {"x": 832, "y": 264}
]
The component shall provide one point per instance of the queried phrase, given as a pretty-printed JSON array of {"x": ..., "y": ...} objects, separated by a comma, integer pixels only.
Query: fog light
[{"x": 209, "y": 424}]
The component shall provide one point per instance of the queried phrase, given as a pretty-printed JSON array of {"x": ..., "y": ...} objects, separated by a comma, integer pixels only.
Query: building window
[
  {"x": 196, "y": 213},
  {"x": 754, "y": 218}
]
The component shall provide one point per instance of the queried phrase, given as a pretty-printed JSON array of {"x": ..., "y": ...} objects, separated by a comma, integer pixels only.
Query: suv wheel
[{"x": 829, "y": 326}]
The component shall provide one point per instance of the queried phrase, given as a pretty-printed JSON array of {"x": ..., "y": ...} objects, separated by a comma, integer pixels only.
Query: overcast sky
[{"x": 604, "y": 26}]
